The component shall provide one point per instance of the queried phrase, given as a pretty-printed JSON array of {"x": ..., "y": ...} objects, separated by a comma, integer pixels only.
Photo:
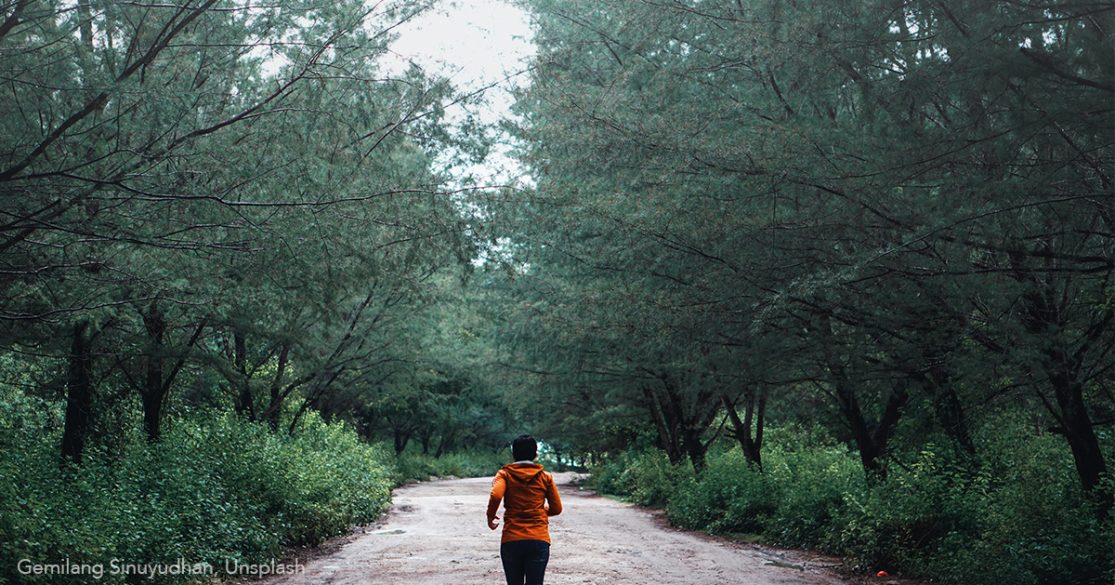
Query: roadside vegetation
[
  {"x": 216, "y": 489},
  {"x": 1012, "y": 516}
]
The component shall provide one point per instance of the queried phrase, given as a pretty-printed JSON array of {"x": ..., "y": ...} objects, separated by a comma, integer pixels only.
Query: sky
[{"x": 474, "y": 43}]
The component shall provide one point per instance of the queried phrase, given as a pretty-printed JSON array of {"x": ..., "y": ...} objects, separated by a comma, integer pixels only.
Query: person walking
[{"x": 529, "y": 498}]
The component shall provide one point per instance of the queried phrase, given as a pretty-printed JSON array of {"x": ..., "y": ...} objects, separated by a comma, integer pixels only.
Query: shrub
[
  {"x": 811, "y": 486},
  {"x": 610, "y": 475},
  {"x": 1019, "y": 517},
  {"x": 646, "y": 478},
  {"x": 730, "y": 497},
  {"x": 214, "y": 488},
  {"x": 419, "y": 467},
  {"x": 896, "y": 524},
  {"x": 1015, "y": 514}
]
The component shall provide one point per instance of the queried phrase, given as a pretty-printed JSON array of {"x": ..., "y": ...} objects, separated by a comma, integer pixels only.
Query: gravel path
[{"x": 435, "y": 534}]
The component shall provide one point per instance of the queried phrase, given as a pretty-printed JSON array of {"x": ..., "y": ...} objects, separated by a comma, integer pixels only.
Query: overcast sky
[{"x": 475, "y": 43}]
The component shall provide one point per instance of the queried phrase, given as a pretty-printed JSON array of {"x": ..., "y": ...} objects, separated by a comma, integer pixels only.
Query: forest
[{"x": 835, "y": 275}]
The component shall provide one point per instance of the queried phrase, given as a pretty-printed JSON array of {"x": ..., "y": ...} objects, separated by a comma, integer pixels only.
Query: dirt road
[{"x": 435, "y": 534}]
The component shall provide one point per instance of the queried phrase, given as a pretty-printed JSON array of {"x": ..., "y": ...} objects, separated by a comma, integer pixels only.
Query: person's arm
[
  {"x": 553, "y": 499},
  {"x": 499, "y": 486}
]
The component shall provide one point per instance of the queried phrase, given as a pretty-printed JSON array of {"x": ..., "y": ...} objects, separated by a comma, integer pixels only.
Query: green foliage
[
  {"x": 260, "y": 226},
  {"x": 215, "y": 488},
  {"x": 728, "y": 498},
  {"x": 863, "y": 209},
  {"x": 1016, "y": 515},
  {"x": 1018, "y": 518},
  {"x": 644, "y": 477},
  {"x": 791, "y": 502},
  {"x": 811, "y": 485},
  {"x": 418, "y": 467}
]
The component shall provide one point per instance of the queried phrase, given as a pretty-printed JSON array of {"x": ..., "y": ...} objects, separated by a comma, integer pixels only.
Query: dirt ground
[{"x": 435, "y": 534}]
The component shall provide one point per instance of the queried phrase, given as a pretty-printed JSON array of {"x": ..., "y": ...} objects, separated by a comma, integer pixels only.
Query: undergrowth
[
  {"x": 1015, "y": 514},
  {"x": 214, "y": 489}
]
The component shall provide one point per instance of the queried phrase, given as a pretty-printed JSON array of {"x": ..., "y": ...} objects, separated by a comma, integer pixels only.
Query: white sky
[{"x": 474, "y": 43}]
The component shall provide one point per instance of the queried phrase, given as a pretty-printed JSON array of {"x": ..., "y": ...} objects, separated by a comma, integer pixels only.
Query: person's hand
[{"x": 493, "y": 522}]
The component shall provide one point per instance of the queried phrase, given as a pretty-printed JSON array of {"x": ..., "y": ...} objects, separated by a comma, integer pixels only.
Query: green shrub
[
  {"x": 729, "y": 497},
  {"x": 610, "y": 475},
  {"x": 897, "y": 524},
  {"x": 214, "y": 488},
  {"x": 646, "y": 478},
  {"x": 811, "y": 487},
  {"x": 418, "y": 467},
  {"x": 655, "y": 480},
  {"x": 1020, "y": 517},
  {"x": 1016, "y": 514}
]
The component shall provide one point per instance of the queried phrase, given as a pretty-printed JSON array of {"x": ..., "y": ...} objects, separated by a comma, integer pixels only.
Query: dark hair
[{"x": 524, "y": 448}]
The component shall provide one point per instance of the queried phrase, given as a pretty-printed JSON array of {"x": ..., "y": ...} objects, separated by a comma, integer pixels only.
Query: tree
[
  {"x": 220, "y": 186},
  {"x": 880, "y": 197}
]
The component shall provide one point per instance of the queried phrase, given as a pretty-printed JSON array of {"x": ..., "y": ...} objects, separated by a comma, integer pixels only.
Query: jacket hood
[{"x": 523, "y": 471}]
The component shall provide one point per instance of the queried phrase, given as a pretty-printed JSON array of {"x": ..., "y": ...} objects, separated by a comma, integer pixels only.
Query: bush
[
  {"x": 418, "y": 467},
  {"x": 812, "y": 486},
  {"x": 215, "y": 488},
  {"x": 1015, "y": 515},
  {"x": 896, "y": 524},
  {"x": 730, "y": 497},
  {"x": 646, "y": 478},
  {"x": 610, "y": 475},
  {"x": 1020, "y": 517}
]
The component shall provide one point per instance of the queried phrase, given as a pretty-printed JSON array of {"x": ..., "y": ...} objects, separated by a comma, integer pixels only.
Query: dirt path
[{"x": 435, "y": 534}]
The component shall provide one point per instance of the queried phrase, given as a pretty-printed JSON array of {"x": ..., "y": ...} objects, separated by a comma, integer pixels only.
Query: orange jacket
[{"x": 525, "y": 490}]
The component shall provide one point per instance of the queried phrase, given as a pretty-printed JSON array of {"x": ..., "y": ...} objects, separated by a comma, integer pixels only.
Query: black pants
[{"x": 524, "y": 561}]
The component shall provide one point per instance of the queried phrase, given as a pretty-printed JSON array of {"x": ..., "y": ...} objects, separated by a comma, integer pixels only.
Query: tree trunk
[
  {"x": 1091, "y": 467},
  {"x": 244, "y": 402},
  {"x": 935, "y": 375},
  {"x": 274, "y": 409},
  {"x": 695, "y": 448},
  {"x": 444, "y": 444},
  {"x": 401, "y": 440},
  {"x": 79, "y": 394},
  {"x": 691, "y": 422},
  {"x": 853, "y": 416},
  {"x": 153, "y": 391},
  {"x": 754, "y": 415},
  {"x": 307, "y": 403},
  {"x": 949, "y": 410},
  {"x": 1044, "y": 318},
  {"x": 872, "y": 445},
  {"x": 666, "y": 425}
]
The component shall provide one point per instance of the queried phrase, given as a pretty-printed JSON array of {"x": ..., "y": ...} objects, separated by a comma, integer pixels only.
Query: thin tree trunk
[
  {"x": 1087, "y": 455},
  {"x": 1044, "y": 317},
  {"x": 871, "y": 444},
  {"x": 274, "y": 409},
  {"x": 695, "y": 448},
  {"x": 444, "y": 445},
  {"x": 949, "y": 410},
  {"x": 754, "y": 414},
  {"x": 692, "y": 424},
  {"x": 79, "y": 394},
  {"x": 244, "y": 402},
  {"x": 401, "y": 440},
  {"x": 666, "y": 426},
  {"x": 152, "y": 393},
  {"x": 424, "y": 439}
]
